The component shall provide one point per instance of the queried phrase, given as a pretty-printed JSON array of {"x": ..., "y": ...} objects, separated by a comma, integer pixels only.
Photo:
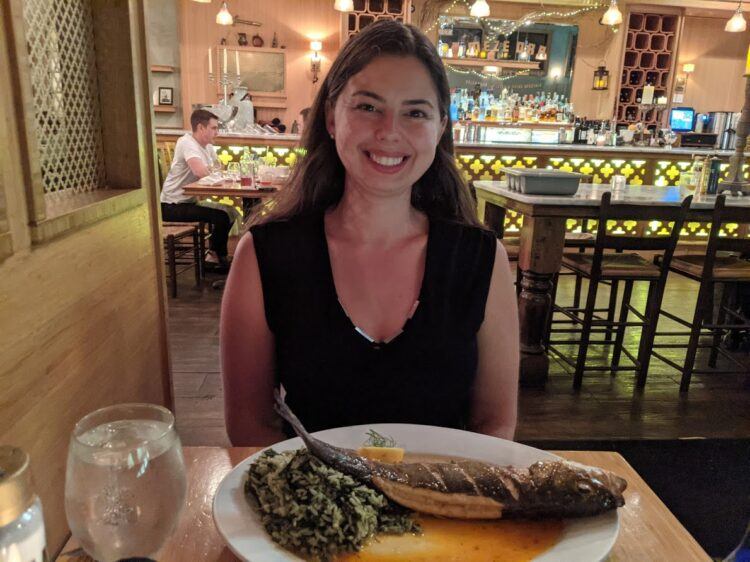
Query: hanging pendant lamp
[
  {"x": 344, "y": 5},
  {"x": 737, "y": 22},
  {"x": 224, "y": 17},
  {"x": 613, "y": 15},
  {"x": 480, "y": 9}
]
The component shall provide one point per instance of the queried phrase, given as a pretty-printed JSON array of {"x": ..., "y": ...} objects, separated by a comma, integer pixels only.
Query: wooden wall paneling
[
  {"x": 150, "y": 180},
  {"x": 6, "y": 239},
  {"x": 183, "y": 32},
  {"x": 719, "y": 57},
  {"x": 82, "y": 315},
  {"x": 20, "y": 86},
  {"x": 115, "y": 71}
]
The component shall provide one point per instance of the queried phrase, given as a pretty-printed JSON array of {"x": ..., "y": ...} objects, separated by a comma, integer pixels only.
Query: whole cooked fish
[{"x": 476, "y": 490}]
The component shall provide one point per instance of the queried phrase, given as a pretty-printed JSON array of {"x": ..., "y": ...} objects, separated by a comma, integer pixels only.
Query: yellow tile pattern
[{"x": 487, "y": 166}]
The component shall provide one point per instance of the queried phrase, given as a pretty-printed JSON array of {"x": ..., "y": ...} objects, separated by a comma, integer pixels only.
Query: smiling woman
[{"x": 369, "y": 292}]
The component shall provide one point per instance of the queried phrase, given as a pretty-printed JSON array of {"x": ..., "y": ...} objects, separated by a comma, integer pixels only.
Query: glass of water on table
[{"x": 125, "y": 481}]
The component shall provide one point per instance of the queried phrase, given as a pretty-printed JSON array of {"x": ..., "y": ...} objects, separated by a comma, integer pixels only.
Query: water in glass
[{"x": 125, "y": 484}]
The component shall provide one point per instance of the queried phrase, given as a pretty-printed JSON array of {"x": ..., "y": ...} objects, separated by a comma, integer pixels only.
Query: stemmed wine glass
[
  {"x": 125, "y": 481},
  {"x": 233, "y": 172}
]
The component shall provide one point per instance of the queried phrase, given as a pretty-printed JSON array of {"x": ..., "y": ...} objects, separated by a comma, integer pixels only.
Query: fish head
[{"x": 592, "y": 489}]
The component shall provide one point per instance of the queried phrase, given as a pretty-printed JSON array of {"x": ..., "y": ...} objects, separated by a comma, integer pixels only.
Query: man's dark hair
[{"x": 201, "y": 117}]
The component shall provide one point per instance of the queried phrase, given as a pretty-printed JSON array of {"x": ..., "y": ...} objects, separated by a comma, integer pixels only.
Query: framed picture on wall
[{"x": 166, "y": 96}]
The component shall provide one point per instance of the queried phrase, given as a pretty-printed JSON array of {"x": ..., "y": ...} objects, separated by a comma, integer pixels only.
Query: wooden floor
[{"x": 606, "y": 407}]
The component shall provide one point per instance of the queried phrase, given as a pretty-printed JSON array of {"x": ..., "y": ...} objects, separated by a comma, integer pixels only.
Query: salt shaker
[{"x": 21, "y": 521}]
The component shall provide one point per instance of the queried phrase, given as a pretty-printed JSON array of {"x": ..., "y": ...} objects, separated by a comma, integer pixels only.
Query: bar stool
[
  {"x": 626, "y": 267},
  {"x": 710, "y": 270}
]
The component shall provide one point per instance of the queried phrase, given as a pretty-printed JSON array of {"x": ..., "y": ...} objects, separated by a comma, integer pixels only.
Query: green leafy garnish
[{"x": 377, "y": 440}]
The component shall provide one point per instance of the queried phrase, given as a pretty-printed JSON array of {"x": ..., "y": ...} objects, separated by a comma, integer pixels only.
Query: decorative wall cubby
[{"x": 648, "y": 59}]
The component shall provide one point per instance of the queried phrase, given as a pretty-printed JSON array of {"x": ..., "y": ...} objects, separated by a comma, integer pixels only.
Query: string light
[
  {"x": 507, "y": 28},
  {"x": 483, "y": 75}
]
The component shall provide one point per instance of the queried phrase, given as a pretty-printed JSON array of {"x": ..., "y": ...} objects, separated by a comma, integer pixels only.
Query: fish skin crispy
[{"x": 469, "y": 489}]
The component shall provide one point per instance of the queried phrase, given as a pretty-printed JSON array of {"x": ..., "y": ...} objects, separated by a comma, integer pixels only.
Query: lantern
[{"x": 601, "y": 78}]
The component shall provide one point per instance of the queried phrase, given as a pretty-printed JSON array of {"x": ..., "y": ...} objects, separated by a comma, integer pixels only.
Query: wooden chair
[
  {"x": 627, "y": 267},
  {"x": 711, "y": 270},
  {"x": 182, "y": 247},
  {"x": 164, "y": 154}
]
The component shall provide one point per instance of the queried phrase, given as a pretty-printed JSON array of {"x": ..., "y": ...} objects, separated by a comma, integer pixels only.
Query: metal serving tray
[{"x": 542, "y": 182}]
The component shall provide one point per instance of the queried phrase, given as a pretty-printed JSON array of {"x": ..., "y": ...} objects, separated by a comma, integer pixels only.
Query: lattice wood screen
[
  {"x": 60, "y": 42},
  {"x": 367, "y": 11}
]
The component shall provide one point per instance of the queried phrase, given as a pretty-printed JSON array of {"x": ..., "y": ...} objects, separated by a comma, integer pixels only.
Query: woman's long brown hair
[{"x": 317, "y": 180}]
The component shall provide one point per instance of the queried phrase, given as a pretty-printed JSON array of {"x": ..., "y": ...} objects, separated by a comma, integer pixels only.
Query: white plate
[{"x": 583, "y": 540}]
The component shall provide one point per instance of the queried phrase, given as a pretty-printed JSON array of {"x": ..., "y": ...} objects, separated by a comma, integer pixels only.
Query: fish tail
[
  {"x": 341, "y": 459},
  {"x": 285, "y": 412}
]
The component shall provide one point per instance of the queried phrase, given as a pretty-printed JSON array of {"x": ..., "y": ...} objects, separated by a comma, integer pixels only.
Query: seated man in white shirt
[{"x": 193, "y": 159}]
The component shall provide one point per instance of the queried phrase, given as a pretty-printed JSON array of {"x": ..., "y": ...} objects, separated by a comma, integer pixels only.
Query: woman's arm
[
  {"x": 247, "y": 355},
  {"x": 495, "y": 393}
]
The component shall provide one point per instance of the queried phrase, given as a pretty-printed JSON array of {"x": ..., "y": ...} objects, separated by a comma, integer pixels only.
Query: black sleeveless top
[{"x": 334, "y": 375}]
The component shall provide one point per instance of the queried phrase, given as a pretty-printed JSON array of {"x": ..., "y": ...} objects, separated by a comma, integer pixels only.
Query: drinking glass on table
[
  {"x": 233, "y": 172},
  {"x": 125, "y": 481}
]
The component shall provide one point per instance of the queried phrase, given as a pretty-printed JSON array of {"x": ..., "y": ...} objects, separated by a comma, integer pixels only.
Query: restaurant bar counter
[{"x": 484, "y": 161}]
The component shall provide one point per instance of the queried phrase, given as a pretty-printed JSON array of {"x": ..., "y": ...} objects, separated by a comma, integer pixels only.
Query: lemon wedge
[{"x": 382, "y": 454}]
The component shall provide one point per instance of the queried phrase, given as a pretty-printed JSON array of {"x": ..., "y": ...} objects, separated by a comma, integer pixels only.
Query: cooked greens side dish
[{"x": 317, "y": 511}]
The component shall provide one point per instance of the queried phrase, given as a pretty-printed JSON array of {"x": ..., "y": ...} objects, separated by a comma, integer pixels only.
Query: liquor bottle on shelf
[
  {"x": 583, "y": 131},
  {"x": 462, "y": 47}
]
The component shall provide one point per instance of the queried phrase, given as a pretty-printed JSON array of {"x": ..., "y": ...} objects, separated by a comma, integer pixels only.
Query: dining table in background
[
  {"x": 648, "y": 530},
  {"x": 227, "y": 189},
  {"x": 249, "y": 195},
  {"x": 543, "y": 239}
]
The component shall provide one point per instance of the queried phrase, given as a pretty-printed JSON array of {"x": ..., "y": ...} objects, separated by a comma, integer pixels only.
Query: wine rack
[
  {"x": 368, "y": 11},
  {"x": 648, "y": 58}
]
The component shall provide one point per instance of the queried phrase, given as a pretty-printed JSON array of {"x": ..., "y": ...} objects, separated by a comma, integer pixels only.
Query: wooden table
[
  {"x": 648, "y": 531},
  {"x": 226, "y": 190},
  {"x": 543, "y": 239}
]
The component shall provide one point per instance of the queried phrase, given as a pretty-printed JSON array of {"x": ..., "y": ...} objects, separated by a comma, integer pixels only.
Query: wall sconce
[
  {"x": 680, "y": 85},
  {"x": 601, "y": 78},
  {"x": 315, "y": 47}
]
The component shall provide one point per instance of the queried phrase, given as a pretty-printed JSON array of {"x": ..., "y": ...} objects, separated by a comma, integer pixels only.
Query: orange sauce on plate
[{"x": 445, "y": 540}]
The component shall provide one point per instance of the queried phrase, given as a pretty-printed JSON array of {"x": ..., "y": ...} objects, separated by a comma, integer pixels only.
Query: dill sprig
[{"x": 375, "y": 439}]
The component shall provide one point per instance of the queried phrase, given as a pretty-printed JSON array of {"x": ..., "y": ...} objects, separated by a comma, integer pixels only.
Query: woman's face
[{"x": 387, "y": 124}]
